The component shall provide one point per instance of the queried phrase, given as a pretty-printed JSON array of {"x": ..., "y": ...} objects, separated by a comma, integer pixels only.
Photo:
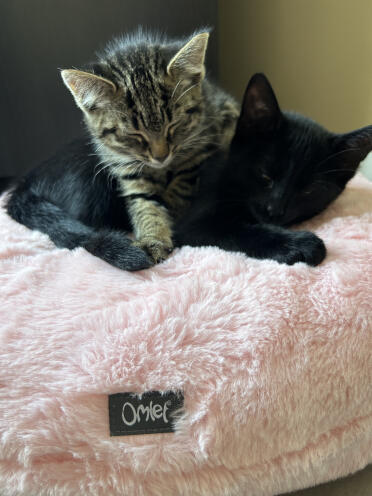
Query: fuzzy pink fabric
[{"x": 274, "y": 361}]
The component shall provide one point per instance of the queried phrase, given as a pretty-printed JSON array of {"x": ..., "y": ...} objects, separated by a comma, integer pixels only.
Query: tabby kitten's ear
[
  {"x": 356, "y": 145},
  {"x": 89, "y": 91},
  {"x": 260, "y": 109},
  {"x": 188, "y": 63}
]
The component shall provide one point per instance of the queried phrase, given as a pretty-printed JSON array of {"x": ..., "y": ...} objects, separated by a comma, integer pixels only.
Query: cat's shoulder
[{"x": 75, "y": 157}]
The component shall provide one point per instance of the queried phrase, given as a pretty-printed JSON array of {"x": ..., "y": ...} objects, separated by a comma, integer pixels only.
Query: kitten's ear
[
  {"x": 89, "y": 91},
  {"x": 189, "y": 61},
  {"x": 260, "y": 109},
  {"x": 355, "y": 145}
]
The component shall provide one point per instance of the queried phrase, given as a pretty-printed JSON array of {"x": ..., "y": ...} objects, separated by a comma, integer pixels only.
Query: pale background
[{"x": 316, "y": 53}]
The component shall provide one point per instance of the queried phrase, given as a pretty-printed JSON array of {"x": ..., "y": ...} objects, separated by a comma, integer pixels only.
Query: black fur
[
  {"x": 65, "y": 199},
  {"x": 282, "y": 169}
]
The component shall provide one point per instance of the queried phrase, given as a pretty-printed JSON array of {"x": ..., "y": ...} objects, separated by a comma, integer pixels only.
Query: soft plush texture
[{"x": 275, "y": 363}]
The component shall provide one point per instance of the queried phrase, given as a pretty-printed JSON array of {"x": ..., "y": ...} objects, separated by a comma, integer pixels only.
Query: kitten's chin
[{"x": 155, "y": 164}]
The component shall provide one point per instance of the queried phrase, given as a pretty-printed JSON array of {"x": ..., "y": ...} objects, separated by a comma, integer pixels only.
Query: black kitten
[
  {"x": 86, "y": 209},
  {"x": 282, "y": 168}
]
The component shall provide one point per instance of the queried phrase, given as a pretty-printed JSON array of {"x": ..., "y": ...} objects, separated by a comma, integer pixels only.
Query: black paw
[
  {"x": 301, "y": 246},
  {"x": 118, "y": 250}
]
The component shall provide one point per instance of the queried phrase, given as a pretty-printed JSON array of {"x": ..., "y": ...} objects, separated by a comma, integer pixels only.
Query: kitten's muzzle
[
  {"x": 274, "y": 212},
  {"x": 161, "y": 164},
  {"x": 159, "y": 150},
  {"x": 269, "y": 213}
]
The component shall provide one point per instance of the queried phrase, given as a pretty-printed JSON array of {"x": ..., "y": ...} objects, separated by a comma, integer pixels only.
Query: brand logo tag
[{"x": 149, "y": 413}]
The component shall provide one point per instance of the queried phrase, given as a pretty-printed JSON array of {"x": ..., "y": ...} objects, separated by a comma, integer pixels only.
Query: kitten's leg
[
  {"x": 152, "y": 225},
  {"x": 261, "y": 241},
  {"x": 266, "y": 241},
  {"x": 112, "y": 246}
]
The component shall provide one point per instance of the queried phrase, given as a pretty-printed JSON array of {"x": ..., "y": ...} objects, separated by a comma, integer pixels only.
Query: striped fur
[{"x": 154, "y": 118}]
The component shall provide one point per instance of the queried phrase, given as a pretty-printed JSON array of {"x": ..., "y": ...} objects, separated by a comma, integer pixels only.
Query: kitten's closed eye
[
  {"x": 192, "y": 110},
  {"x": 311, "y": 188},
  {"x": 111, "y": 130},
  {"x": 140, "y": 138}
]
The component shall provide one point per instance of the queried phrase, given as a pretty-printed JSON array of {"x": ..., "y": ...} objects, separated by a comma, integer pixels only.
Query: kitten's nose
[
  {"x": 274, "y": 212},
  {"x": 159, "y": 150},
  {"x": 270, "y": 210}
]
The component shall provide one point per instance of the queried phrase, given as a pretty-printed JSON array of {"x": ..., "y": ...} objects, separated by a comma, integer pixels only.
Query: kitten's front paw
[
  {"x": 117, "y": 249},
  {"x": 156, "y": 248},
  {"x": 302, "y": 246}
]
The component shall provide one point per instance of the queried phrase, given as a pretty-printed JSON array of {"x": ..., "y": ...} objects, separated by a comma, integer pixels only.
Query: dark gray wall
[{"x": 39, "y": 36}]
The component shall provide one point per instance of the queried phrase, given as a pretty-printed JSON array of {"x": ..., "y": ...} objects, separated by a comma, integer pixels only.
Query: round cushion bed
[{"x": 274, "y": 363}]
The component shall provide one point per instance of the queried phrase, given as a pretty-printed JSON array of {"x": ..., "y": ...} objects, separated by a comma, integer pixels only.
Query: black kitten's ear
[
  {"x": 260, "y": 108},
  {"x": 355, "y": 145}
]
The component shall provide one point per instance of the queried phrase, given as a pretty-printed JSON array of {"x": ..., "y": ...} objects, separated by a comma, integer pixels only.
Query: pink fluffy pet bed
[{"x": 274, "y": 363}]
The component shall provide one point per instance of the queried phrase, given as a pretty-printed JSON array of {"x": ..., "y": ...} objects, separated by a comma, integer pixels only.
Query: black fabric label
[{"x": 148, "y": 413}]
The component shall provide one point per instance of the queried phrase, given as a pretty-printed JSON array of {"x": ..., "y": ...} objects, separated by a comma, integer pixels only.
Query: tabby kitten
[
  {"x": 282, "y": 168},
  {"x": 153, "y": 118},
  {"x": 153, "y": 121}
]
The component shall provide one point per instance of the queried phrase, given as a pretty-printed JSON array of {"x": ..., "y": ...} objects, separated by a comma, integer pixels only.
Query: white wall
[{"x": 316, "y": 53}]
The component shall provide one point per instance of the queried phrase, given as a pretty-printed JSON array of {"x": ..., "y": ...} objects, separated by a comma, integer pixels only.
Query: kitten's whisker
[
  {"x": 326, "y": 184},
  {"x": 113, "y": 168},
  {"x": 175, "y": 89},
  {"x": 184, "y": 93},
  {"x": 339, "y": 170},
  {"x": 335, "y": 155},
  {"x": 100, "y": 170}
]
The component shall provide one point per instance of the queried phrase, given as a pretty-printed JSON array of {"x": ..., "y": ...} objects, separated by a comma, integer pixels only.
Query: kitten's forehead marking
[{"x": 141, "y": 74}]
